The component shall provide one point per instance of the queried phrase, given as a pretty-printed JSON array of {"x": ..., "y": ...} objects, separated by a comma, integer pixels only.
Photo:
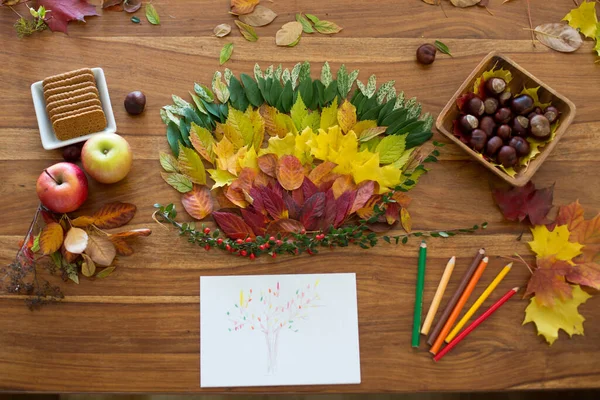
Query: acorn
[
  {"x": 520, "y": 126},
  {"x": 522, "y": 104},
  {"x": 475, "y": 107},
  {"x": 539, "y": 127},
  {"x": 467, "y": 123},
  {"x": 495, "y": 86},
  {"x": 551, "y": 113},
  {"x": 493, "y": 145},
  {"x": 488, "y": 125},
  {"x": 503, "y": 115},
  {"x": 520, "y": 145},
  {"x": 491, "y": 105},
  {"x": 478, "y": 139},
  {"x": 507, "y": 156},
  {"x": 504, "y": 132}
]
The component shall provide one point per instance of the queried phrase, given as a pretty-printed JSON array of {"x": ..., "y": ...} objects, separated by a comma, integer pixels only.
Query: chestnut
[
  {"x": 495, "y": 86},
  {"x": 504, "y": 132},
  {"x": 522, "y": 104},
  {"x": 551, "y": 113},
  {"x": 520, "y": 145},
  {"x": 491, "y": 105},
  {"x": 467, "y": 123},
  {"x": 426, "y": 54},
  {"x": 135, "y": 102},
  {"x": 505, "y": 99},
  {"x": 520, "y": 126},
  {"x": 493, "y": 145},
  {"x": 474, "y": 107},
  {"x": 478, "y": 139},
  {"x": 539, "y": 127},
  {"x": 503, "y": 115},
  {"x": 488, "y": 125},
  {"x": 72, "y": 153},
  {"x": 507, "y": 156}
]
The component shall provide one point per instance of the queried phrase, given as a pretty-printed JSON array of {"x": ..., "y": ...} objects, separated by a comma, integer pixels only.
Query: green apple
[{"x": 106, "y": 157}]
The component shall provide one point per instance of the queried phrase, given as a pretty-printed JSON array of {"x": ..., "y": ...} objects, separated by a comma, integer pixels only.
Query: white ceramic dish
[{"x": 49, "y": 139}]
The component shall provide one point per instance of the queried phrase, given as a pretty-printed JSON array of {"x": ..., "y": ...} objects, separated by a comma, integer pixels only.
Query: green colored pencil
[{"x": 419, "y": 294}]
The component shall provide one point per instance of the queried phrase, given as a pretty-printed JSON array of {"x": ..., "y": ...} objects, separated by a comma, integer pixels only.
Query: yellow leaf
[
  {"x": 191, "y": 165},
  {"x": 329, "y": 115},
  {"x": 276, "y": 123},
  {"x": 202, "y": 140},
  {"x": 405, "y": 220},
  {"x": 562, "y": 315},
  {"x": 584, "y": 18},
  {"x": 312, "y": 120},
  {"x": 554, "y": 243},
  {"x": 302, "y": 149},
  {"x": 242, "y": 124},
  {"x": 221, "y": 177},
  {"x": 391, "y": 148},
  {"x": 533, "y": 92},
  {"x": 258, "y": 127},
  {"x": 247, "y": 158},
  {"x": 361, "y": 126},
  {"x": 280, "y": 146},
  {"x": 493, "y": 73},
  {"x": 226, "y": 159},
  {"x": 51, "y": 238},
  {"x": 346, "y": 116},
  {"x": 298, "y": 113}
]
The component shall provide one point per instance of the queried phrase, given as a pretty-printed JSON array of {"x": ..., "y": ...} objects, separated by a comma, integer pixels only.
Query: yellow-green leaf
[
  {"x": 179, "y": 182},
  {"x": 88, "y": 267},
  {"x": 191, "y": 165},
  {"x": 247, "y": 31},
  {"x": 533, "y": 92},
  {"x": 361, "y": 126},
  {"x": 562, "y": 315},
  {"x": 152, "y": 15},
  {"x": 391, "y": 148},
  {"x": 346, "y": 116},
  {"x": 241, "y": 123},
  {"x": 168, "y": 162},
  {"x": 312, "y": 120},
  {"x": 221, "y": 177},
  {"x": 203, "y": 141},
  {"x": 299, "y": 112},
  {"x": 554, "y": 243},
  {"x": 226, "y": 52},
  {"x": 584, "y": 18},
  {"x": 306, "y": 25},
  {"x": 370, "y": 133},
  {"x": 327, "y": 27},
  {"x": 105, "y": 272},
  {"x": 329, "y": 115}
]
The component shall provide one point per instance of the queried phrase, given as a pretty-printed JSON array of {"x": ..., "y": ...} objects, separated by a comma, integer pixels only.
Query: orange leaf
[
  {"x": 586, "y": 273},
  {"x": 221, "y": 197},
  {"x": 585, "y": 232},
  {"x": 198, "y": 203},
  {"x": 402, "y": 199},
  {"x": 235, "y": 192},
  {"x": 405, "y": 220},
  {"x": 346, "y": 116},
  {"x": 290, "y": 172},
  {"x": 114, "y": 215},
  {"x": 51, "y": 238},
  {"x": 83, "y": 221},
  {"x": 121, "y": 246},
  {"x": 343, "y": 184},
  {"x": 240, "y": 7},
  {"x": 548, "y": 281},
  {"x": 320, "y": 171},
  {"x": 273, "y": 126},
  {"x": 132, "y": 233},
  {"x": 268, "y": 164},
  {"x": 392, "y": 213},
  {"x": 367, "y": 211},
  {"x": 263, "y": 179},
  {"x": 232, "y": 225},
  {"x": 199, "y": 147},
  {"x": 284, "y": 225},
  {"x": 67, "y": 255}
]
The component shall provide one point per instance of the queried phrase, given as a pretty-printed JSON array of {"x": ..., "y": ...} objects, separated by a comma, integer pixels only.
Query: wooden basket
[{"x": 521, "y": 78}]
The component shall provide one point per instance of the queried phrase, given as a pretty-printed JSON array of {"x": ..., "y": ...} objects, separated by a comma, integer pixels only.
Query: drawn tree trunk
[{"x": 272, "y": 340}]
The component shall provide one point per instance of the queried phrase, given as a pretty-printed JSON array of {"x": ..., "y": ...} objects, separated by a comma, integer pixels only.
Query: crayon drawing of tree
[{"x": 269, "y": 314}]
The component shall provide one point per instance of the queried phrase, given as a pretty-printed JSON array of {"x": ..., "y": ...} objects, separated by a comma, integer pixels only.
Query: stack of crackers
[{"x": 73, "y": 104}]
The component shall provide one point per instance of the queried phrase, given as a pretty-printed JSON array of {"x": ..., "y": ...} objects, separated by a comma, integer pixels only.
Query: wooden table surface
[{"x": 138, "y": 330}]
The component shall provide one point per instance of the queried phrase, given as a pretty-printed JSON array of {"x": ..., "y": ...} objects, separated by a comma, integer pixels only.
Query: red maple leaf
[
  {"x": 548, "y": 281},
  {"x": 519, "y": 203},
  {"x": 63, "y": 11}
]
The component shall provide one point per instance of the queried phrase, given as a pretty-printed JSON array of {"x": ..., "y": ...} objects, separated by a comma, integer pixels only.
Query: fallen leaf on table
[
  {"x": 563, "y": 315},
  {"x": 88, "y": 267},
  {"x": 179, "y": 182},
  {"x": 105, "y": 272},
  {"x": 51, "y": 238},
  {"x": 132, "y": 233},
  {"x": 306, "y": 25},
  {"x": 226, "y": 52},
  {"x": 63, "y": 11},
  {"x": 442, "y": 47},
  {"x": 289, "y": 34},
  {"x": 239, "y": 7},
  {"x": 198, "y": 202},
  {"x": 586, "y": 232},
  {"x": 76, "y": 240},
  {"x": 247, "y": 31},
  {"x": 405, "y": 220},
  {"x": 584, "y": 18},
  {"x": 121, "y": 246},
  {"x": 132, "y": 6},
  {"x": 105, "y": 3},
  {"x": 222, "y": 30},
  {"x": 101, "y": 250},
  {"x": 559, "y": 37},
  {"x": 151, "y": 14},
  {"x": 548, "y": 281},
  {"x": 555, "y": 243},
  {"x": 464, "y": 3},
  {"x": 327, "y": 27},
  {"x": 519, "y": 203},
  {"x": 114, "y": 215},
  {"x": 261, "y": 16}
]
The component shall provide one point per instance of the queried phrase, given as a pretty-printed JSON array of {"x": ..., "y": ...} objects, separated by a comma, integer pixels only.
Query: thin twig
[
  {"x": 443, "y": 10},
  {"x": 489, "y": 11},
  {"x": 530, "y": 23}
]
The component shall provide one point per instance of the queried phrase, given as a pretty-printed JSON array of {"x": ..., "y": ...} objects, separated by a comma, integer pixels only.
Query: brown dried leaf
[
  {"x": 88, "y": 267},
  {"x": 405, "y": 220},
  {"x": 559, "y": 37},
  {"x": 464, "y": 3},
  {"x": 222, "y": 30},
  {"x": 121, "y": 246},
  {"x": 82, "y": 222},
  {"x": 261, "y": 16},
  {"x": 101, "y": 250},
  {"x": 289, "y": 34},
  {"x": 239, "y": 7}
]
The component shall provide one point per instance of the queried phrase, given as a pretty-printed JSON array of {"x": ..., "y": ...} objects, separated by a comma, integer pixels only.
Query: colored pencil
[
  {"x": 476, "y": 323},
  {"x": 478, "y": 302},
  {"x": 452, "y": 302},
  {"x": 419, "y": 294},
  {"x": 459, "y": 306},
  {"x": 437, "y": 298}
]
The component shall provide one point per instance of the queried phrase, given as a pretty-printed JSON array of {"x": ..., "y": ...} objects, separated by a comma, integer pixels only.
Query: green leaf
[
  {"x": 135, "y": 20},
  {"x": 386, "y": 90},
  {"x": 36, "y": 243},
  {"x": 237, "y": 94},
  {"x": 247, "y": 31},
  {"x": 405, "y": 240},
  {"x": 190, "y": 164},
  {"x": 313, "y": 18},
  {"x": 252, "y": 91},
  {"x": 443, "y": 234},
  {"x": 152, "y": 15},
  {"x": 442, "y": 47},
  {"x": 168, "y": 162},
  {"x": 227, "y": 74},
  {"x": 226, "y": 53},
  {"x": 306, "y": 90},
  {"x": 327, "y": 27},
  {"x": 296, "y": 74},
  {"x": 173, "y": 137},
  {"x": 345, "y": 81},
  {"x": 326, "y": 77},
  {"x": 306, "y": 25},
  {"x": 204, "y": 92},
  {"x": 286, "y": 100},
  {"x": 179, "y": 182},
  {"x": 298, "y": 112},
  {"x": 105, "y": 272},
  {"x": 257, "y": 71},
  {"x": 277, "y": 73},
  {"x": 390, "y": 148}
]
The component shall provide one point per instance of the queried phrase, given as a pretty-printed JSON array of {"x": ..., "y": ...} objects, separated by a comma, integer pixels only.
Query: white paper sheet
[{"x": 271, "y": 330}]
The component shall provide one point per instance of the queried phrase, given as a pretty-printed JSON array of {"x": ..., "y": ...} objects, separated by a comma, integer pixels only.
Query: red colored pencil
[{"x": 476, "y": 323}]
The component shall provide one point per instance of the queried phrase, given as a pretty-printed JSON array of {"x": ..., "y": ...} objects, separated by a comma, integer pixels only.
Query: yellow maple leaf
[
  {"x": 554, "y": 243},
  {"x": 584, "y": 18},
  {"x": 247, "y": 158},
  {"x": 329, "y": 115},
  {"x": 302, "y": 149},
  {"x": 346, "y": 116},
  {"x": 562, "y": 315}
]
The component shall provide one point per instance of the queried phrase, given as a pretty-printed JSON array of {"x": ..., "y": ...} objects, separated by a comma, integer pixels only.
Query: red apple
[
  {"x": 62, "y": 188},
  {"x": 106, "y": 157}
]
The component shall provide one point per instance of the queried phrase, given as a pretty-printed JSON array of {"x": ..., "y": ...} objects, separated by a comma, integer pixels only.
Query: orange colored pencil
[{"x": 459, "y": 306}]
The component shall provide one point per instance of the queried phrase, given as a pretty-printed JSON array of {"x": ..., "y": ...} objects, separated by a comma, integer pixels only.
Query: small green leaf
[
  {"x": 152, "y": 15},
  {"x": 36, "y": 243},
  {"x": 386, "y": 238},
  {"x": 226, "y": 53},
  {"x": 313, "y": 18},
  {"x": 168, "y": 162},
  {"x": 404, "y": 239},
  {"x": 327, "y": 27},
  {"x": 484, "y": 225},
  {"x": 306, "y": 25},
  {"x": 179, "y": 182},
  {"x": 105, "y": 272},
  {"x": 444, "y": 234},
  {"x": 442, "y": 47},
  {"x": 135, "y": 20}
]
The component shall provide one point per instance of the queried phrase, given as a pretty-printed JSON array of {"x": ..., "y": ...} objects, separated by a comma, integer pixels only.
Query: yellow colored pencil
[
  {"x": 478, "y": 302},
  {"x": 437, "y": 298}
]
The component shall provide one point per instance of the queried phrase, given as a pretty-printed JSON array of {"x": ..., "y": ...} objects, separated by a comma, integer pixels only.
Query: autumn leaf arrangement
[
  {"x": 69, "y": 247},
  {"x": 293, "y": 164},
  {"x": 567, "y": 257}
]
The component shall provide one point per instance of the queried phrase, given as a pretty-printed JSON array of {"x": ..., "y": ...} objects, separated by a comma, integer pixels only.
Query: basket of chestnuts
[{"x": 506, "y": 118}]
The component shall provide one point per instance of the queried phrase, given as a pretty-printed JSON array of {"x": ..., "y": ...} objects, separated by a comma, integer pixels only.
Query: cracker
[
  {"x": 74, "y": 107},
  {"x": 71, "y": 81},
  {"x": 50, "y": 106},
  {"x": 65, "y": 89},
  {"x": 74, "y": 112},
  {"x": 79, "y": 124},
  {"x": 66, "y": 75},
  {"x": 72, "y": 94}
]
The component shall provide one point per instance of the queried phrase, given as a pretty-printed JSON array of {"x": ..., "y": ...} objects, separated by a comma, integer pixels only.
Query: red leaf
[
  {"x": 329, "y": 211},
  {"x": 243, "y": 183},
  {"x": 284, "y": 225},
  {"x": 548, "y": 281},
  {"x": 586, "y": 273},
  {"x": 312, "y": 211},
  {"x": 461, "y": 100},
  {"x": 459, "y": 133},
  {"x": 255, "y": 220},
  {"x": 343, "y": 205},
  {"x": 364, "y": 191},
  {"x": 292, "y": 205},
  {"x": 519, "y": 203},
  {"x": 268, "y": 164},
  {"x": 308, "y": 188},
  {"x": 298, "y": 195},
  {"x": 392, "y": 213},
  {"x": 258, "y": 204},
  {"x": 232, "y": 225},
  {"x": 63, "y": 11},
  {"x": 198, "y": 203},
  {"x": 290, "y": 172},
  {"x": 273, "y": 203}
]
